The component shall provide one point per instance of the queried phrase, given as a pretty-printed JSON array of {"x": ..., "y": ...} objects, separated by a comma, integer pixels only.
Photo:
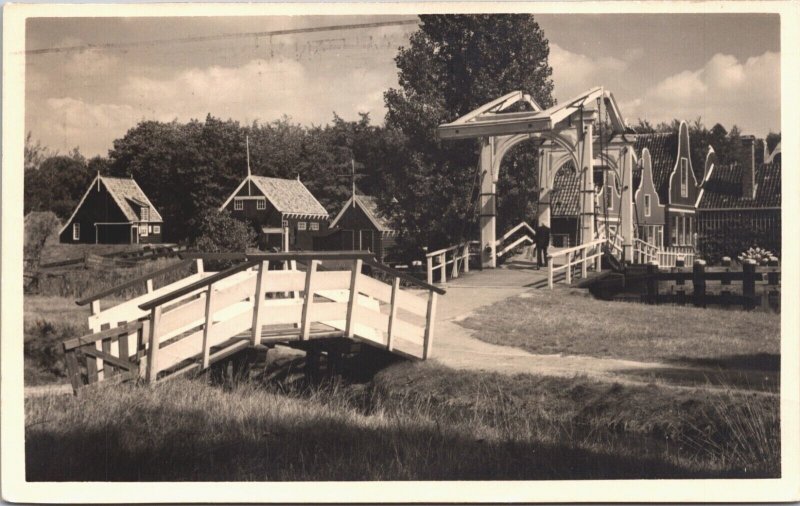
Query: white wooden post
[
  {"x": 353, "y": 300},
  {"x": 569, "y": 269},
  {"x": 429, "y": 325},
  {"x": 258, "y": 306},
  {"x": 207, "y": 325},
  {"x": 392, "y": 313},
  {"x": 583, "y": 263},
  {"x": 443, "y": 267},
  {"x": 455, "y": 263},
  {"x": 488, "y": 212},
  {"x": 94, "y": 309},
  {"x": 549, "y": 272},
  {"x": 308, "y": 300},
  {"x": 430, "y": 270},
  {"x": 149, "y": 285},
  {"x": 152, "y": 352},
  {"x": 466, "y": 258},
  {"x": 199, "y": 265}
]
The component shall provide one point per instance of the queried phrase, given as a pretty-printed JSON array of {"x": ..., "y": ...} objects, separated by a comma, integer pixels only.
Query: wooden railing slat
[{"x": 134, "y": 282}]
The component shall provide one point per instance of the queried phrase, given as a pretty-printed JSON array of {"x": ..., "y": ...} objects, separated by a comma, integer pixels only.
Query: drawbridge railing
[
  {"x": 672, "y": 256},
  {"x": 264, "y": 300},
  {"x": 455, "y": 258},
  {"x": 575, "y": 261}
]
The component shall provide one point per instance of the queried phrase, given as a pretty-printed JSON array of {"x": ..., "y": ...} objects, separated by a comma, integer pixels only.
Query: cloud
[
  {"x": 725, "y": 90},
  {"x": 572, "y": 71}
]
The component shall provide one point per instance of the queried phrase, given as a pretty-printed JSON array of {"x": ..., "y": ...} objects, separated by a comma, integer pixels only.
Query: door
[
  {"x": 366, "y": 241},
  {"x": 347, "y": 240}
]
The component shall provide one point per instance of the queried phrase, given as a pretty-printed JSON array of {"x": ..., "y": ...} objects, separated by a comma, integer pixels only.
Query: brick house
[
  {"x": 285, "y": 213},
  {"x": 113, "y": 211}
]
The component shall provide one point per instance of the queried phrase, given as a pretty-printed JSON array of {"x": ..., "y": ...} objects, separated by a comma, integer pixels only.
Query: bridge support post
[
  {"x": 488, "y": 207},
  {"x": 626, "y": 201},
  {"x": 587, "y": 190},
  {"x": 545, "y": 188}
]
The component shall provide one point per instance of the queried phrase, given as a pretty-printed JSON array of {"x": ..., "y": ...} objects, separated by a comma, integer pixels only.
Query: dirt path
[{"x": 456, "y": 347}]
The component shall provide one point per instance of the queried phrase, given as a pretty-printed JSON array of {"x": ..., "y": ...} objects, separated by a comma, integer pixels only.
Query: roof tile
[
  {"x": 289, "y": 196},
  {"x": 723, "y": 190}
]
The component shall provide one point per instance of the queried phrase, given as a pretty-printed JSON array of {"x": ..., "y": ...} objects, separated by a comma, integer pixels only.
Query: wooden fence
[
  {"x": 583, "y": 257},
  {"x": 455, "y": 256},
  {"x": 700, "y": 276},
  {"x": 671, "y": 256}
]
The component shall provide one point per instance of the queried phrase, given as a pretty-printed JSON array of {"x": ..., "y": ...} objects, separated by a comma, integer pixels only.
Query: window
[
  {"x": 673, "y": 233},
  {"x": 301, "y": 225},
  {"x": 76, "y": 231},
  {"x": 647, "y": 205},
  {"x": 261, "y": 204},
  {"x": 684, "y": 177},
  {"x": 238, "y": 204},
  {"x": 156, "y": 229},
  {"x": 314, "y": 225},
  {"x": 144, "y": 213},
  {"x": 609, "y": 200},
  {"x": 143, "y": 230},
  {"x": 150, "y": 229}
]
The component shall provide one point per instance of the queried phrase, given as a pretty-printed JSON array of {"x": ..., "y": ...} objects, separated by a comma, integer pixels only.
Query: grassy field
[
  {"x": 573, "y": 322},
  {"x": 411, "y": 422}
]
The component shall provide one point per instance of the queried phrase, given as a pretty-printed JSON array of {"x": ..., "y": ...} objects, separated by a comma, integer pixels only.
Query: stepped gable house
[
  {"x": 113, "y": 211},
  {"x": 667, "y": 188},
  {"x": 360, "y": 225},
  {"x": 284, "y": 211},
  {"x": 739, "y": 205}
]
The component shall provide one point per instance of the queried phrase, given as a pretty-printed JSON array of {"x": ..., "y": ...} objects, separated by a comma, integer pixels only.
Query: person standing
[{"x": 542, "y": 243}]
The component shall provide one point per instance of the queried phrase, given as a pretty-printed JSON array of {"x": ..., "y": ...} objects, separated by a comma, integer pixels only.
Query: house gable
[
  {"x": 647, "y": 187},
  {"x": 682, "y": 176}
]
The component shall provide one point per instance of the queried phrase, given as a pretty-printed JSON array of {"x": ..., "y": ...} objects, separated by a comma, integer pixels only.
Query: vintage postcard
[{"x": 433, "y": 252}]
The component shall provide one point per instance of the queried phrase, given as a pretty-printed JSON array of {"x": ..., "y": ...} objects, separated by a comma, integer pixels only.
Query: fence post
[
  {"x": 308, "y": 300},
  {"x": 392, "y": 313},
  {"x": 258, "y": 306},
  {"x": 152, "y": 352},
  {"x": 549, "y": 272},
  {"x": 430, "y": 270},
  {"x": 699, "y": 282},
  {"x": 466, "y": 258},
  {"x": 749, "y": 283},
  {"x": 199, "y": 265},
  {"x": 353, "y": 301},
  {"x": 652, "y": 282},
  {"x": 148, "y": 285},
  {"x": 569, "y": 268},
  {"x": 454, "y": 275},
  {"x": 429, "y": 325},
  {"x": 443, "y": 267}
]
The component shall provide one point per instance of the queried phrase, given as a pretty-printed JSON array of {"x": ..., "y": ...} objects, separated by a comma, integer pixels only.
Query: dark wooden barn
[
  {"x": 113, "y": 211},
  {"x": 284, "y": 211},
  {"x": 360, "y": 225}
]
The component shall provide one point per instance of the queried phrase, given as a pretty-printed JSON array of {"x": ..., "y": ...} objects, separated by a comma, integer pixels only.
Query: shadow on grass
[
  {"x": 311, "y": 450},
  {"x": 753, "y": 362}
]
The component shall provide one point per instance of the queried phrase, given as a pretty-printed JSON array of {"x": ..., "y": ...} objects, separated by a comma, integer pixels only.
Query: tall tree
[{"x": 453, "y": 64}]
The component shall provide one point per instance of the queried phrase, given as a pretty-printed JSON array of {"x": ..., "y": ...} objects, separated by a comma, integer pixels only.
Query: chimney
[{"x": 749, "y": 167}]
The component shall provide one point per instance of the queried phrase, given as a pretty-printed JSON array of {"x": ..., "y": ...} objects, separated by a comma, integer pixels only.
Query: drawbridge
[{"x": 322, "y": 303}]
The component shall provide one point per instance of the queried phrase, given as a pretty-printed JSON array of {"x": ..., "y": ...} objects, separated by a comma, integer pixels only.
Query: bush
[
  {"x": 38, "y": 227},
  {"x": 222, "y": 233}
]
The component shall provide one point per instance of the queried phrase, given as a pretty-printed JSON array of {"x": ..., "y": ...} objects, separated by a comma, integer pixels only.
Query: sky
[{"x": 724, "y": 68}]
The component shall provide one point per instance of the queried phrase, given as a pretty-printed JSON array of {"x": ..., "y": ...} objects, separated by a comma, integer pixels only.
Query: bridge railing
[
  {"x": 527, "y": 237},
  {"x": 671, "y": 256},
  {"x": 644, "y": 252},
  {"x": 583, "y": 256},
  {"x": 245, "y": 305},
  {"x": 456, "y": 257}
]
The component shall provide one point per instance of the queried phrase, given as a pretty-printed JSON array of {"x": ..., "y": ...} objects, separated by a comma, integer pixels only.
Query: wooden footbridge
[{"x": 317, "y": 302}]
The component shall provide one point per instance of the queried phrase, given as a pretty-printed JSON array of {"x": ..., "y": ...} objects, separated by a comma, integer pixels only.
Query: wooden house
[
  {"x": 668, "y": 182},
  {"x": 360, "y": 225},
  {"x": 284, "y": 211},
  {"x": 739, "y": 205},
  {"x": 113, "y": 211}
]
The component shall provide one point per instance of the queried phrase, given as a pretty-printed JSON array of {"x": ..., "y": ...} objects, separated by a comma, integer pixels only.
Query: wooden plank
[
  {"x": 374, "y": 288},
  {"x": 392, "y": 313},
  {"x": 355, "y": 276},
  {"x": 99, "y": 336},
  {"x": 322, "y": 311},
  {"x": 332, "y": 280},
  {"x": 108, "y": 370},
  {"x": 209, "y": 322},
  {"x": 285, "y": 281},
  {"x": 74, "y": 370},
  {"x": 308, "y": 300},
  {"x": 109, "y": 359},
  {"x": 429, "y": 326},
  {"x": 412, "y": 303},
  {"x": 373, "y": 319},
  {"x": 402, "y": 275}
]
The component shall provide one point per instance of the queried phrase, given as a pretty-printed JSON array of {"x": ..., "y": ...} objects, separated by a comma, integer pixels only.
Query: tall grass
[{"x": 411, "y": 422}]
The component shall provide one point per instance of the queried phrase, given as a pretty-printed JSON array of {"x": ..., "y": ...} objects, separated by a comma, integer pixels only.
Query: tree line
[{"x": 452, "y": 64}]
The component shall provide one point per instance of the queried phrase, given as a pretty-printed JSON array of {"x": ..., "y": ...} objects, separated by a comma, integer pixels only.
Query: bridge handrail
[
  {"x": 583, "y": 259},
  {"x": 441, "y": 255},
  {"x": 514, "y": 229},
  {"x": 144, "y": 278}
]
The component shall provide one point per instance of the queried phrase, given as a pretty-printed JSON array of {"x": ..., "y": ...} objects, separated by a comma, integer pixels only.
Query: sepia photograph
[{"x": 403, "y": 244}]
